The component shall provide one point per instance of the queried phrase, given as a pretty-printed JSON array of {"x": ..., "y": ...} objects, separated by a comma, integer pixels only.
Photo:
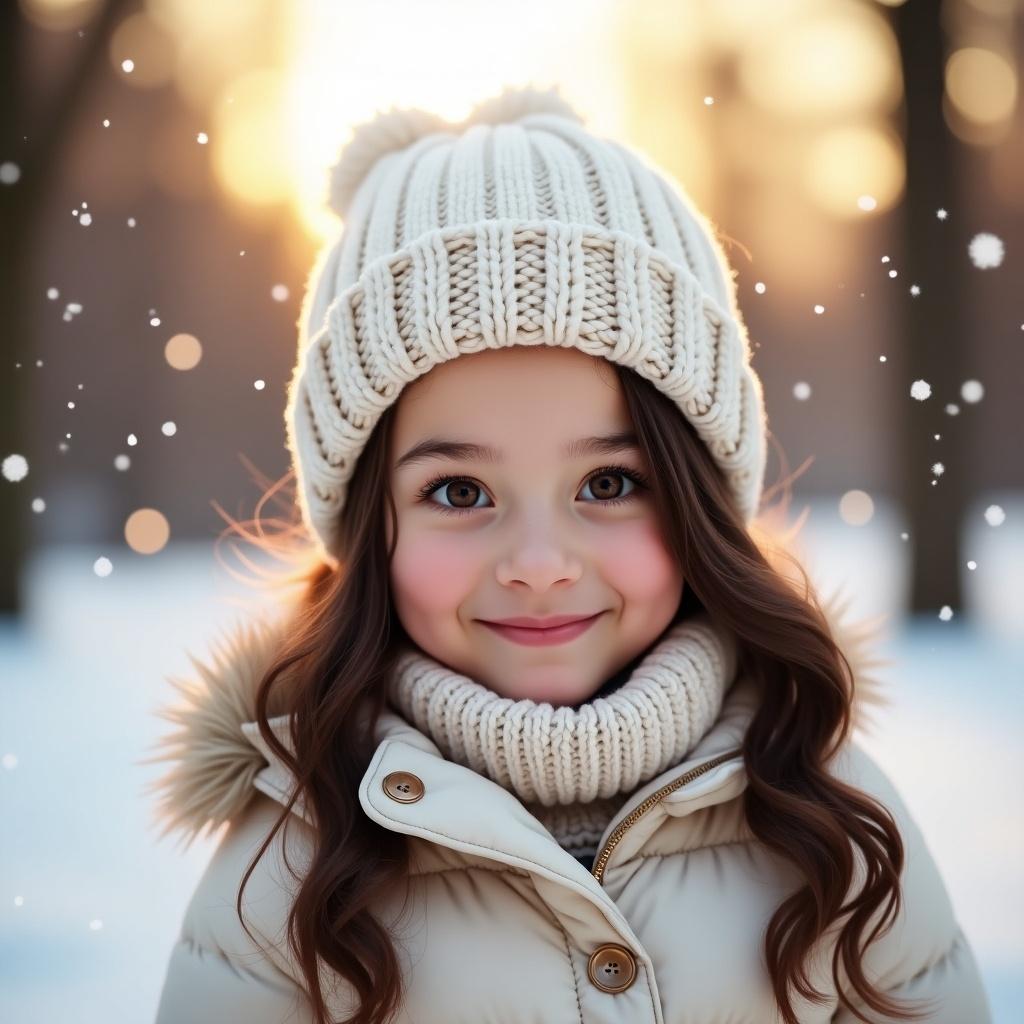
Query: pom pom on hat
[
  {"x": 513, "y": 104},
  {"x": 396, "y": 129}
]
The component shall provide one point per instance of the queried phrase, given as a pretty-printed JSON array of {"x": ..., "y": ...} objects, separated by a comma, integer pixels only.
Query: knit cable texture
[
  {"x": 563, "y": 756},
  {"x": 534, "y": 232}
]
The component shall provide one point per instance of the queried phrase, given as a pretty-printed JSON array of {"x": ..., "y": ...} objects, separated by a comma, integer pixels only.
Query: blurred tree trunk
[
  {"x": 933, "y": 323},
  {"x": 36, "y": 145}
]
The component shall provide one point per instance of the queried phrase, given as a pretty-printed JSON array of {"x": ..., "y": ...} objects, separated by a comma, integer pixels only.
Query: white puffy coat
[{"x": 505, "y": 926}]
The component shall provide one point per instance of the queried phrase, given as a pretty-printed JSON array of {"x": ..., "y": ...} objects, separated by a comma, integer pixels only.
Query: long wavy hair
[{"x": 330, "y": 675}]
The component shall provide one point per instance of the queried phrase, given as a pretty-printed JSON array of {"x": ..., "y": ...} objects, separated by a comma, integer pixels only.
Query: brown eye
[
  {"x": 606, "y": 485},
  {"x": 461, "y": 493}
]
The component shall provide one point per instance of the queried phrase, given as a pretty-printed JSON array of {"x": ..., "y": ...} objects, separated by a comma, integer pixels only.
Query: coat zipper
[{"x": 631, "y": 819}]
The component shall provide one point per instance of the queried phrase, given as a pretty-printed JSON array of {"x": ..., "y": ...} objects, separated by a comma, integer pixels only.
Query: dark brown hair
[{"x": 339, "y": 651}]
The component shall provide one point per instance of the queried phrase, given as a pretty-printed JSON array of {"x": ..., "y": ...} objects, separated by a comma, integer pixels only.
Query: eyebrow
[{"x": 464, "y": 451}]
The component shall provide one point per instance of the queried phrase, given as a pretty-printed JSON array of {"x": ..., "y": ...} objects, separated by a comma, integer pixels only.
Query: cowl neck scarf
[{"x": 573, "y": 767}]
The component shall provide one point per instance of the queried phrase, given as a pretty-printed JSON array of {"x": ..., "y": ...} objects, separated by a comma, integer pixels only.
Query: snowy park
[
  {"x": 93, "y": 900},
  {"x": 223, "y": 263}
]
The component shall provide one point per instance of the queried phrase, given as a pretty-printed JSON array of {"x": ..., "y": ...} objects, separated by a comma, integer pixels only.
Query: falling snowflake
[
  {"x": 938, "y": 469},
  {"x": 972, "y": 565},
  {"x": 106, "y": 122},
  {"x": 972, "y": 391},
  {"x": 994, "y": 515},
  {"x": 131, "y": 222},
  {"x": 202, "y": 138},
  {"x": 801, "y": 390},
  {"x": 915, "y": 290},
  {"x": 122, "y": 462},
  {"x": 71, "y": 310},
  {"x": 986, "y": 250},
  {"x": 9, "y": 173},
  {"x": 169, "y": 429},
  {"x": 867, "y": 203},
  {"x": 96, "y": 924},
  {"x": 920, "y": 390},
  {"x": 38, "y": 505},
  {"x": 10, "y": 761},
  {"x": 952, "y": 409},
  {"x": 259, "y": 385},
  {"x": 52, "y": 293},
  {"x": 102, "y": 566},
  {"x": 941, "y": 214},
  {"x": 709, "y": 101},
  {"x": 279, "y": 293},
  {"x": 904, "y": 536},
  {"x": 761, "y": 288},
  {"x": 819, "y": 309},
  {"x": 945, "y": 613},
  {"x": 85, "y": 219},
  {"x": 132, "y": 439},
  {"x": 15, "y": 468},
  {"x": 128, "y": 66}
]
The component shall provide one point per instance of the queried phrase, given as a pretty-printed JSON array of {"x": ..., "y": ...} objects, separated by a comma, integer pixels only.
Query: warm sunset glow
[
  {"x": 249, "y": 124},
  {"x": 354, "y": 63},
  {"x": 840, "y": 61},
  {"x": 845, "y": 163},
  {"x": 982, "y": 85},
  {"x": 149, "y": 46},
  {"x": 58, "y": 15}
]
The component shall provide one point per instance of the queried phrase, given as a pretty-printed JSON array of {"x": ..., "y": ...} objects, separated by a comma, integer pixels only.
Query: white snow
[
  {"x": 994, "y": 515},
  {"x": 972, "y": 391},
  {"x": 986, "y": 250},
  {"x": 15, "y": 468}
]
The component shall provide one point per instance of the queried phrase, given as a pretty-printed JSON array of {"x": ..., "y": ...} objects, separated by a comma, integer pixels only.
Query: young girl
[{"x": 551, "y": 735}]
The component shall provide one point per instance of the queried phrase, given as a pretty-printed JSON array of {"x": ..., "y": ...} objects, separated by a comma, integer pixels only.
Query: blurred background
[{"x": 163, "y": 169}]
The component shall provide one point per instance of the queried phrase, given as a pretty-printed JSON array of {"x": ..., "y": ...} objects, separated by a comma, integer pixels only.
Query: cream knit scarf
[{"x": 574, "y": 767}]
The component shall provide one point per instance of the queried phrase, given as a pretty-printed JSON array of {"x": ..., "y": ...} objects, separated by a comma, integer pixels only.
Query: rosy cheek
[
  {"x": 637, "y": 563},
  {"x": 432, "y": 572}
]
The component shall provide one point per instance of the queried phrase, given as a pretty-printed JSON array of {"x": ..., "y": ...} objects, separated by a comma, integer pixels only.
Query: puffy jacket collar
[{"x": 218, "y": 757}]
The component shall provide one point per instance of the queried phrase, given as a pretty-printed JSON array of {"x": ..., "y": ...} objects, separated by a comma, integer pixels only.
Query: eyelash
[{"x": 432, "y": 485}]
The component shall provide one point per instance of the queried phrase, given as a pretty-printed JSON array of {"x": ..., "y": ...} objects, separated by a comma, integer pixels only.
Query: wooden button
[
  {"x": 612, "y": 968},
  {"x": 404, "y": 787}
]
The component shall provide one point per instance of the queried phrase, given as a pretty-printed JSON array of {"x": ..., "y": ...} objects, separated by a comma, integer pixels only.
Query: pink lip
[{"x": 534, "y": 636}]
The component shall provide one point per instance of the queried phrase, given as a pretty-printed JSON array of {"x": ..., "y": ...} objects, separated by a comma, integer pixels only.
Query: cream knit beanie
[{"x": 516, "y": 226}]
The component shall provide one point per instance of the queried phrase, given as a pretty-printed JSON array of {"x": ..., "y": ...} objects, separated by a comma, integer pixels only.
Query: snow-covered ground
[{"x": 91, "y": 901}]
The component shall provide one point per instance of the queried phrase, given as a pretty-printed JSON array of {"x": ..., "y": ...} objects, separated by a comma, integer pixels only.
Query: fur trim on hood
[{"x": 214, "y": 763}]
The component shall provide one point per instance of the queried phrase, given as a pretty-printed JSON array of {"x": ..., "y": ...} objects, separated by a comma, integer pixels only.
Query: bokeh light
[
  {"x": 844, "y": 163},
  {"x": 59, "y": 15},
  {"x": 149, "y": 46},
  {"x": 146, "y": 531},
  {"x": 839, "y": 62},
  {"x": 183, "y": 351},
  {"x": 856, "y": 508},
  {"x": 981, "y": 85}
]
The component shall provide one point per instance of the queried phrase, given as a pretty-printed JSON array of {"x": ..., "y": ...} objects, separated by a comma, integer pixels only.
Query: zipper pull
[{"x": 601, "y": 860}]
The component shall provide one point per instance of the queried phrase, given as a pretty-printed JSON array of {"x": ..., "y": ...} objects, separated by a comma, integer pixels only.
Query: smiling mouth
[{"x": 532, "y": 636}]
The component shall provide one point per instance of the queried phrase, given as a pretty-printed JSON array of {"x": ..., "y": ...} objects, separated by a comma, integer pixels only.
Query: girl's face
[{"x": 540, "y": 525}]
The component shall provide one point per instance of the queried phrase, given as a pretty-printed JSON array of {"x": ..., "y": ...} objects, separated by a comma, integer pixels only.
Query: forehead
[{"x": 517, "y": 399}]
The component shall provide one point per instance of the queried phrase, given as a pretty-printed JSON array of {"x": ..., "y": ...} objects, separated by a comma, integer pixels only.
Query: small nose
[{"x": 540, "y": 556}]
